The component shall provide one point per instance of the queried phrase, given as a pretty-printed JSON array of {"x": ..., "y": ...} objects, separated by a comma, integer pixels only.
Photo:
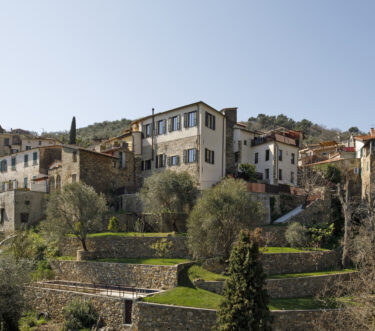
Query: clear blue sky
[{"x": 107, "y": 59}]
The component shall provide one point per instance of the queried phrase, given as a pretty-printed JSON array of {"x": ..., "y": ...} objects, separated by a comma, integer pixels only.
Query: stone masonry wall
[
  {"x": 150, "y": 316},
  {"x": 287, "y": 287},
  {"x": 124, "y": 247},
  {"x": 138, "y": 275},
  {"x": 285, "y": 263},
  {"x": 52, "y": 301}
]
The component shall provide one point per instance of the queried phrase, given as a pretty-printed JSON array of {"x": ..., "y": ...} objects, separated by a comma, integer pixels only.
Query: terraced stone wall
[{"x": 137, "y": 275}]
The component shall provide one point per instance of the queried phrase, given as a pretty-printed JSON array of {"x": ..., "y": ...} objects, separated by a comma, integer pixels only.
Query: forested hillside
[
  {"x": 96, "y": 131},
  {"x": 313, "y": 132}
]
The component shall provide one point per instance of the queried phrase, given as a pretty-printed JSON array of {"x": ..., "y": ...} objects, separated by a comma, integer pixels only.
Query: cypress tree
[
  {"x": 73, "y": 132},
  {"x": 244, "y": 306}
]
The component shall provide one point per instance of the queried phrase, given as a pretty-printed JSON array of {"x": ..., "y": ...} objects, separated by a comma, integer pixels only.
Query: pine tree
[
  {"x": 73, "y": 132},
  {"x": 244, "y": 306}
]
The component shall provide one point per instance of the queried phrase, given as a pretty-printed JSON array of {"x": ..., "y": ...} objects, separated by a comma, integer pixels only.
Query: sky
[{"x": 107, "y": 59}]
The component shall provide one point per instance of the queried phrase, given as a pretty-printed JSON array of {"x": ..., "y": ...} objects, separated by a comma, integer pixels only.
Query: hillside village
[{"x": 122, "y": 274}]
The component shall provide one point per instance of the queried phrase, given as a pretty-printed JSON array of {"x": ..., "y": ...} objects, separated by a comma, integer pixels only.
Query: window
[
  {"x": 35, "y": 158},
  {"x": 28, "y": 148},
  {"x": 40, "y": 143},
  {"x": 3, "y": 166},
  {"x": 267, "y": 155},
  {"x": 209, "y": 156},
  {"x": 3, "y": 187},
  {"x": 13, "y": 161},
  {"x": 236, "y": 157},
  {"x": 293, "y": 158},
  {"x": 161, "y": 127},
  {"x": 34, "y": 179},
  {"x": 292, "y": 177},
  {"x": 173, "y": 160},
  {"x": 210, "y": 121},
  {"x": 74, "y": 156},
  {"x": 6, "y": 141},
  {"x": 174, "y": 123},
  {"x": 267, "y": 174},
  {"x": 2, "y": 216},
  {"x": 146, "y": 165},
  {"x": 190, "y": 155},
  {"x": 280, "y": 174},
  {"x": 121, "y": 158},
  {"x": 74, "y": 178},
  {"x": 356, "y": 171},
  {"x": 256, "y": 158},
  {"x": 190, "y": 119},
  {"x": 160, "y": 161},
  {"x": 26, "y": 160},
  {"x": 25, "y": 182},
  {"x": 280, "y": 153},
  {"x": 245, "y": 142},
  {"x": 24, "y": 217},
  {"x": 148, "y": 130}
]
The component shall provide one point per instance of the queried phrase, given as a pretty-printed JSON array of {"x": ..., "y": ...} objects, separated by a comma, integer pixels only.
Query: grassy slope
[
  {"x": 306, "y": 274},
  {"x": 272, "y": 250}
]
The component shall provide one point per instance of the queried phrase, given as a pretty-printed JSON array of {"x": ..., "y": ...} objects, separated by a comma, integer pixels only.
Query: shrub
[
  {"x": 30, "y": 320},
  {"x": 248, "y": 172},
  {"x": 114, "y": 225},
  {"x": 42, "y": 271},
  {"x": 322, "y": 235},
  {"x": 297, "y": 235},
  {"x": 162, "y": 247},
  {"x": 79, "y": 315}
]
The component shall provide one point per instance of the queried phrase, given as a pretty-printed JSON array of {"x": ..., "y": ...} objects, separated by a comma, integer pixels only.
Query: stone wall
[
  {"x": 156, "y": 317},
  {"x": 287, "y": 287},
  {"x": 125, "y": 247},
  {"x": 138, "y": 275},
  {"x": 285, "y": 263},
  {"x": 53, "y": 301}
]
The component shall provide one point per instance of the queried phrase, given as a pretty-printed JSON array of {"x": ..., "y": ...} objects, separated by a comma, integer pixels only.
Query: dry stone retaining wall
[
  {"x": 285, "y": 263},
  {"x": 138, "y": 275},
  {"x": 156, "y": 317},
  {"x": 53, "y": 301},
  {"x": 125, "y": 247},
  {"x": 287, "y": 287}
]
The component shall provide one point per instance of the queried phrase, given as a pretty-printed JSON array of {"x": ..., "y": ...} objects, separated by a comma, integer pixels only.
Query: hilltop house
[
  {"x": 274, "y": 153},
  {"x": 192, "y": 138}
]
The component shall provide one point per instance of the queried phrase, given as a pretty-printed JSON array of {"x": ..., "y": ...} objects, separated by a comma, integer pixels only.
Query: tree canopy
[
  {"x": 218, "y": 217},
  {"x": 76, "y": 209}
]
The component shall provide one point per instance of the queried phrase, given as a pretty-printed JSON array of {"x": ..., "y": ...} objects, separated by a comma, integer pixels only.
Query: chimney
[{"x": 372, "y": 132}]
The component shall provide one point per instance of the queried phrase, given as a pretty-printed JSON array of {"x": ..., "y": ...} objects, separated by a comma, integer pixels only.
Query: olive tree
[
  {"x": 168, "y": 193},
  {"x": 13, "y": 276},
  {"x": 218, "y": 217},
  {"x": 76, "y": 209}
]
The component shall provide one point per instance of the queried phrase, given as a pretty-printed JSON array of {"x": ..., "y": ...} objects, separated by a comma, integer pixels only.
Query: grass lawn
[
  {"x": 65, "y": 258},
  {"x": 317, "y": 273},
  {"x": 131, "y": 234},
  {"x": 272, "y": 250},
  {"x": 152, "y": 261},
  {"x": 197, "y": 271},
  {"x": 299, "y": 304},
  {"x": 188, "y": 297}
]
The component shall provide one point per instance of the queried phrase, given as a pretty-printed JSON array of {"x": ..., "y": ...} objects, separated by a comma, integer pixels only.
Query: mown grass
[
  {"x": 307, "y": 274},
  {"x": 151, "y": 261},
  {"x": 65, "y": 258},
  {"x": 277, "y": 250},
  {"x": 198, "y": 272},
  {"x": 304, "y": 303}
]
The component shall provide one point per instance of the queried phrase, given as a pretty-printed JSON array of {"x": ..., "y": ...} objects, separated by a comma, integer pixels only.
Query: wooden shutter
[
  {"x": 186, "y": 120},
  {"x": 143, "y": 131},
  {"x": 185, "y": 156},
  {"x": 196, "y": 155},
  {"x": 213, "y": 157},
  {"x": 164, "y": 157},
  {"x": 165, "y": 126},
  {"x": 206, "y": 119},
  {"x": 170, "y": 122},
  {"x": 179, "y": 122},
  {"x": 196, "y": 118},
  {"x": 157, "y": 161},
  {"x": 169, "y": 161},
  {"x": 213, "y": 122},
  {"x": 178, "y": 160},
  {"x": 142, "y": 165}
]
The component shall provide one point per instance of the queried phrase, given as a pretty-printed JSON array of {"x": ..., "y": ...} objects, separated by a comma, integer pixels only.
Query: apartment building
[
  {"x": 274, "y": 153},
  {"x": 190, "y": 138}
]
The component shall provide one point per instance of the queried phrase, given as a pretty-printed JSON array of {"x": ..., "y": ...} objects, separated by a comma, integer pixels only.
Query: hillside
[
  {"x": 313, "y": 132},
  {"x": 94, "y": 132}
]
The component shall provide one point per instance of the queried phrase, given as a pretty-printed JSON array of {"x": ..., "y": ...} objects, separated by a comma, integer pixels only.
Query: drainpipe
[{"x": 152, "y": 134}]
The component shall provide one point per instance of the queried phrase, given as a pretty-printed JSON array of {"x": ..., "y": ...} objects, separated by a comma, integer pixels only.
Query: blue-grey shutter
[
  {"x": 186, "y": 120},
  {"x": 179, "y": 122},
  {"x": 196, "y": 118},
  {"x": 165, "y": 126},
  {"x": 170, "y": 123},
  {"x": 178, "y": 160}
]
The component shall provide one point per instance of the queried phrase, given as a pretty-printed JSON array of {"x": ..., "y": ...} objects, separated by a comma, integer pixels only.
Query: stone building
[
  {"x": 274, "y": 153},
  {"x": 190, "y": 138},
  {"x": 111, "y": 172}
]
